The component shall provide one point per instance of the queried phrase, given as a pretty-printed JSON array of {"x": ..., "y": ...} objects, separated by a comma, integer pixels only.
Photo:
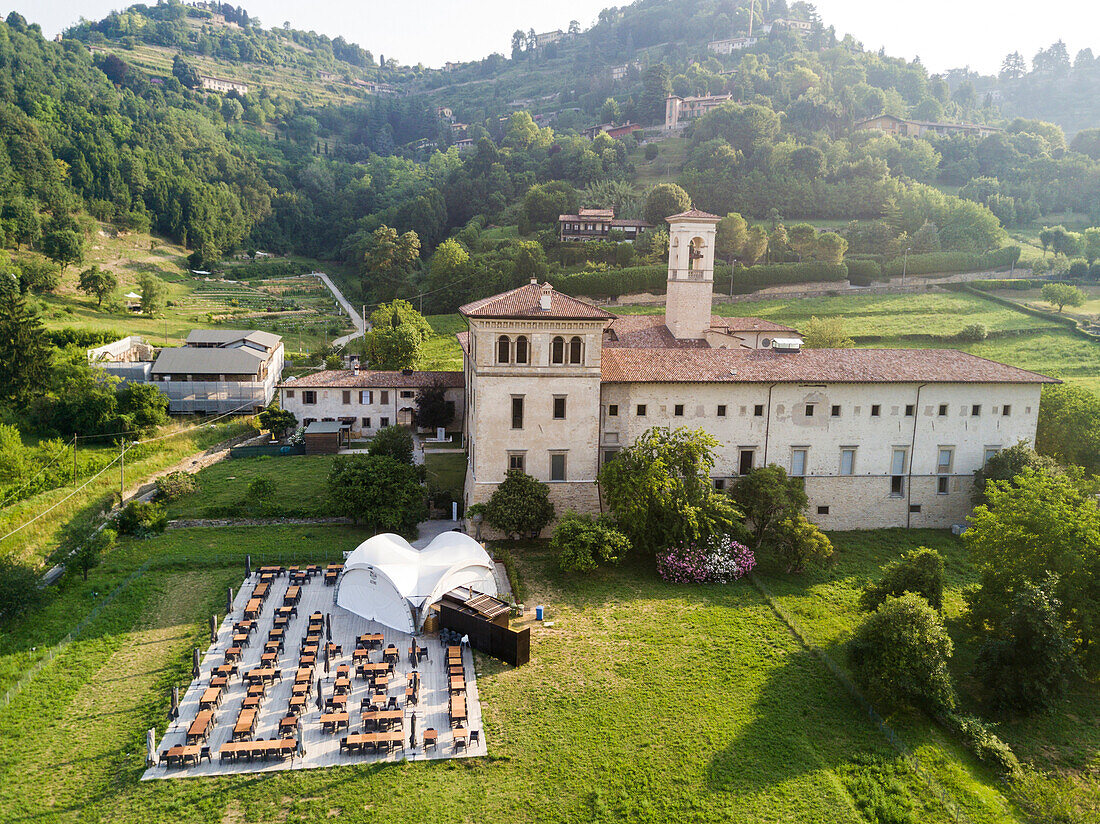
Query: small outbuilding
[
  {"x": 325, "y": 437},
  {"x": 387, "y": 580}
]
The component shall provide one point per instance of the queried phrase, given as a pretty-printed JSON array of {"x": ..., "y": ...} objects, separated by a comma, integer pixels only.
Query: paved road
[{"x": 356, "y": 318}]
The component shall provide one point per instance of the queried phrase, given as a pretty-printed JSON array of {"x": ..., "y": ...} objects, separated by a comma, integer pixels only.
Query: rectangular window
[
  {"x": 976, "y": 410},
  {"x": 847, "y": 461},
  {"x": 809, "y": 410},
  {"x": 943, "y": 410},
  {"x": 366, "y": 423},
  {"x": 383, "y": 422},
  {"x": 559, "y": 407},
  {"x": 612, "y": 410},
  {"x": 745, "y": 461},
  {"x": 516, "y": 462},
  {"x": 898, "y": 461},
  {"x": 640, "y": 411},
  {"x": 823, "y": 510},
  {"x": 914, "y": 508},
  {"x": 557, "y": 466},
  {"x": 385, "y": 396},
  {"x": 719, "y": 483},
  {"x": 758, "y": 410},
  {"x": 990, "y": 451},
  {"x": 405, "y": 393},
  {"x": 290, "y": 393},
  {"x": 941, "y": 485},
  {"x": 897, "y": 486},
  {"x": 835, "y": 412},
  {"x": 517, "y": 412},
  {"x": 309, "y": 396},
  {"x": 876, "y": 410},
  {"x": 798, "y": 462},
  {"x": 366, "y": 397},
  {"x": 609, "y": 455},
  {"x": 910, "y": 410},
  {"x": 345, "y": 397},
  {"x": 678, "y": 410},
  {"x": 1006, "y": 410},
  {"x": 944, "y": 460},
  {"x": 721, "y": 410}
]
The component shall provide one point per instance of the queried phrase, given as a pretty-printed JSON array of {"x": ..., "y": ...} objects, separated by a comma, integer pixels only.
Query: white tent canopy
[{"x": 387, "y": 580}]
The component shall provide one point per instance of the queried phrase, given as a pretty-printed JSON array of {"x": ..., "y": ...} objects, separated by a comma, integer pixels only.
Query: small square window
[
  {"x": 557, "y": 466},
  {"x": 559, "y": 408},
  {"x": 915, "y": 508},
  {"x": 366, "y": 423},
  {"x": 407, "y": 394},
  {"x": 897, "y": 486},
  {"x": 910, "y": 410},
  {"x": 876, "y": 410},
  {"x": 290, "y": 393},
  {"x": 609, "y": 455},
  {"x": 640, "y": 411},
  {"x": 1006, "y": 410},
  {"x": 809, "y": 410},
  {"x": 678, "y": 410},
  {"x": 612, "y": 410},
  {"x": 719, "y": 483},
  {"x": 721, "y": 410},
  {"x": 943, "y": 410},
  {"x": 384, "y": 422},
  {"x": 976, "y": 410},
  {"x": 309, "y": 396},
  {"x": 823, "y": 510},
  {"x": 835, "y": 411},
  {"x": 941, "y": 486},
  {"x": 516, "y": 462},
  {"x": 758, "y": 410}
]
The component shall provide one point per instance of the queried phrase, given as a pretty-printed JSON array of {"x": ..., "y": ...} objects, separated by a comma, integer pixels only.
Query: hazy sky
[{"x": 945, "y": 33}]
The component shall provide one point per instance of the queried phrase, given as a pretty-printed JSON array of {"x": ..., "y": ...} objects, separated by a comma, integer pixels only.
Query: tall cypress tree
[{"x": 24, "y": 351}]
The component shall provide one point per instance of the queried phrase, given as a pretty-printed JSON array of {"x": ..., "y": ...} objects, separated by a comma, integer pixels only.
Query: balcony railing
[{"x": 690, "y": 274}]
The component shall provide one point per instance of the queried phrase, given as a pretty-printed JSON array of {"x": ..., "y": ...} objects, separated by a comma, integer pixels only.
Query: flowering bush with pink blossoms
[{"x": 719, "y": 561}]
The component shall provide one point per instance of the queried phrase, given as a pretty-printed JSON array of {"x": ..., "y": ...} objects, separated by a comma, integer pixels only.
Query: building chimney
[
  {"x": 355, "y": 367},
  {"x": 534, "y": 281},
  {"x": 544, "y": 297}
]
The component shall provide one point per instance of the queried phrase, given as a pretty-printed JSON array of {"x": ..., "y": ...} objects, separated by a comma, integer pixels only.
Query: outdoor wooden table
[
  {"x": 263, "y": 675},
  {"x": 299, "y": 576},
  {"x": 211, "y": 697},
  {"x": 343, "y": 671},
  {"x": 280, "y": 622},
  {"x": 246, "y": 723},
  {"x": 261, "y": 590},
  {"x": 293, "y": 594},
  {"x": 342, "y": 685},
  {"x": 334, "y": 650},
  {"x": 233, "y": 654},
  {"x": 360, "y": 656},
  {"x": 458, "y": 683},
  {"x": 381, "y": 683},
  {"x": 303, "y": 688},
  {"x": 180, "y": 755},
  {"x": 376, "y": 700},
  {"x": 384, "y": 717},
  {"x": 269, "y": 659},
  {"x": 330, "y": 578},
  {"x": 332, "y": 721},
  {"x": 369, "y": 670},
  {"x": 308, "y": 648},
  {"x": 390, "y": 654},
  {"x": 303, "y": 674},
  {"x": 461, "y": 735},
  {"x": 271, "y": 570},
  {"x": 200, "y": 727},
  {"x": 273, "y": 646},
  {"x": 245, "y": 626},
  {"x": 219, "y": 682},
  {"x": 452, "y": 671},
  {"x": 252, "y": 702},
  {"x": 336, "y": 703},
  {"x": 298, "y": 704},
  {"x": 368, "y": 640},
  {"x": 370, "y": 740},
  {"x": 240, "y": 639},
  {"x": 228, "y": 670},
  {"x": 454, "y": 650},
  {"x": 277, "y": 635},
  {"x": 333, "y": 567},
  {"x": 316, "y": 616},
  {"x": 307, "y": 660},
  {"x": 288, "y": 727},
  {"x": 431, "y": 736},
  {"x": 256, "y": 689},
  {"x": 252, "y": 608},
  {"x": 458, "y": 708}
]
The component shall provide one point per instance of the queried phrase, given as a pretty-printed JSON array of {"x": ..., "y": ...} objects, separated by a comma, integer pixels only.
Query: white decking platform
[{"x": 321, "y": 749}]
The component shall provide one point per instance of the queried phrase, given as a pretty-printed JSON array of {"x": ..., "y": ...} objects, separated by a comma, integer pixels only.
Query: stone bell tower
[{"x": 690, "y": 284}]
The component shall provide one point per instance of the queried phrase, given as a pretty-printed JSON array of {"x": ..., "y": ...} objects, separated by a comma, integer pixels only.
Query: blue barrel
[{"x": 538, "y": 612}]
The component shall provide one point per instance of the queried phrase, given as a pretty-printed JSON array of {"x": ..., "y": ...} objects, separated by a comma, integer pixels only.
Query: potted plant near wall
[{"x": 475, "y": 515}]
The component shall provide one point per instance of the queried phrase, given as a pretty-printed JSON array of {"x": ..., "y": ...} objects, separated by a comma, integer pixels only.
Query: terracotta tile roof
[
  {"x": 463, "y": 341},
  {"x": 693, "y": 214},
  {"x": 626, "y": 365},
  {"x": 524, "y": 303},
  {"x": 373, "y": 379},
  {"x": 650, "y": 332}
]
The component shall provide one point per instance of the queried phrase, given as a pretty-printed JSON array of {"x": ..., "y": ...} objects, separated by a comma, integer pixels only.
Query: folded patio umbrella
[
  {"x": 150, "y": 748},
  {"x": 320, "y": 697},
  {"x": 247, "y": 566},
  {"x": 328, "y": 627}
]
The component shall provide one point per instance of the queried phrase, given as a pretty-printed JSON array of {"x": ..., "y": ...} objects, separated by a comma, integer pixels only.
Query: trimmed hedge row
[
  {"x": 934, "y": 263},
  {"x": 615, "y": 282},
  {"x": 88, "y": 338}
]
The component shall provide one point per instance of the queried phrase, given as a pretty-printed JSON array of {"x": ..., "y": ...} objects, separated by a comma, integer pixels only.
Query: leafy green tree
[
  {"x": 87, "y": 553},
  {"x": 659, "y": 490},
  {"x": 1008, "y": 463},
  {"x": 98, "y": 282},
  {"x": 663, "y": 200},
  {"x": 261, "y": 489},
  {"x": 175, "y": 485},
  {"x": 1062, "y": 295},
  {"x": 799, "y": 543},
  {"x": 802, "y": 237},
  {"x": 658, "y": 86},
  {"x": 153, "y": 292},
  {"x": 141, "y": 519},
  {"x": 377, "y": 491},
  {"x": 1037, "y": 526},
  {"x": 755, "y": 246},
  {"x": 63, "y": 246},
  {"x": 583, "y": 544},
  {"x": 1087, "y": 142},
  {"x": 745, "y": 128},
  {"x": 1027, "y": 666},
  {"x": 827, "y": 333},
  {"x": 433, "y": 410},
  {"x": 830, "y": 248},
  {"x": 733, "y": 231},
  {"x": 395, "y": 442},
  {"x": 519, "y": 506},
  {"x": 39, "y": 275},
  {"x": 276, "y": 420},
  {"x": 24, "y": 352},
  {"x": 388, "y": 258},
  {"x": 919, "y": 571},
  {"x": 184, "y": 72},
  {"x": 900, "y": 652},
  {"x": 1069, "y": 426},
  {"x": 144, "y": 404},
  {"x": 19, "y": 590},
  {"x": 1092, "y": 244},
  {"x": 768, "y": 496},
  {"x": 543, "y": 202},
  {"x": 396, "y": 336}
]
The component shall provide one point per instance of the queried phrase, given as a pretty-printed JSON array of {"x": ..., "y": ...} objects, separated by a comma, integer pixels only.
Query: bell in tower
[{"x": 690, "y": 283}]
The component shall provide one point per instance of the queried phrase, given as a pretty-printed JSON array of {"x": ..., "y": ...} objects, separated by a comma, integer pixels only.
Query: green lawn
[
  {"x": 223, "y": 487},
  {"x": 447, "y": 470},
  {"x": 442, "y": 351},
  {"x": 645, "y": 702},
  {"x": 665, "y": 168}
]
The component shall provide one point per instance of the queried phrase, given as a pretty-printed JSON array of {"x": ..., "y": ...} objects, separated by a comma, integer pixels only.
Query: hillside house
[
  {"x": 221, "y": 85},
  {"x": 597, "y": 224},
  {"x": 680, "y": 111},
  {"x": 891, "y": 124},
  {"x": 731, "y": 44}
]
